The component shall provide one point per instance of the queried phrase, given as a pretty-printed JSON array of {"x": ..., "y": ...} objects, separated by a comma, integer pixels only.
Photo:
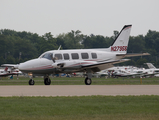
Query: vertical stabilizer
[
  {"x": 151, "y": 66},
  {"x": 120, "y": 44}
]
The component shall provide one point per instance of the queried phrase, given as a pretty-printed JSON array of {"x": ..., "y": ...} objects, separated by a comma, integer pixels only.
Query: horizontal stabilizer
[{"x": 133, "y": 54}]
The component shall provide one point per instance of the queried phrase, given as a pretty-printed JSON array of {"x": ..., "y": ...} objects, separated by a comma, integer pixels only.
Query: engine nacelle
[{"x": 58, "y": 65}]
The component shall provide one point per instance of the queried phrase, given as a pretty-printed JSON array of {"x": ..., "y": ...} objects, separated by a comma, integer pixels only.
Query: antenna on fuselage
[{"x": 59, "y": 47}]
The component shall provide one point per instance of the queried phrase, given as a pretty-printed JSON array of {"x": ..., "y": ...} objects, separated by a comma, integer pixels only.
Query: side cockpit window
[{"x": 47, "y": 56}]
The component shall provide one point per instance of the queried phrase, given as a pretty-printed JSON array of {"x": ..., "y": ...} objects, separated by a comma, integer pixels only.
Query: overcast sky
[{"x": 99, "y": 17}]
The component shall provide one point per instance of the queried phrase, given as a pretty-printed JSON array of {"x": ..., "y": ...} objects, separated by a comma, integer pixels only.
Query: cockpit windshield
[{"x": 48, "y": 56}]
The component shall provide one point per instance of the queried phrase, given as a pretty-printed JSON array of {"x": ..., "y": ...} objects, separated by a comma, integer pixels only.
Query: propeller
[
  {"x": 59, "y": 65},
  {"x": 53, "y": 59}
]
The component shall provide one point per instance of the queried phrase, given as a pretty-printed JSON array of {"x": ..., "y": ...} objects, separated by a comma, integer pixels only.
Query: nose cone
[
  {"x": 28, "y": 65},
  {"x": 22, "y": 66}
]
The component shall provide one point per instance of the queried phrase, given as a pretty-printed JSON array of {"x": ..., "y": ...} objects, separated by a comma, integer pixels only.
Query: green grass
[
  {"x": 84, "y": 107},
  {"x": 80, "y": 81},
  {"x": 80, "y": 108}
]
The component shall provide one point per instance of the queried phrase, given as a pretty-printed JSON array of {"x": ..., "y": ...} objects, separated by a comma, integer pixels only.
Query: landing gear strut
[
  {"x": 47, "y": 81},
  {"x": 31, "y": 82},
  {"x": 88, "y": 80}
]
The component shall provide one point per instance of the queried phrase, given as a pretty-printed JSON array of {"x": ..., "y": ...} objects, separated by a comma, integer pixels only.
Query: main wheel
[
  {"x": 88, "y": 81},
  {"x": 31, "y": 82},
  {"x": 47, "y": 81}
]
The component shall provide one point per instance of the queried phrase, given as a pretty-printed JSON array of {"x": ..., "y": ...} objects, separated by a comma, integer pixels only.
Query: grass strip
[{"x": 84, "y": 107}]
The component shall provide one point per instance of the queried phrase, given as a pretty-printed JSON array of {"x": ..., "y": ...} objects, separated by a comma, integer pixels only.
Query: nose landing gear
[
  {"x": 47, "y": 81},
  {"x": 31, "y": 82}
]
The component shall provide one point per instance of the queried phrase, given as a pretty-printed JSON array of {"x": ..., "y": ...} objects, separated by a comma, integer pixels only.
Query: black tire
[
  {"x": 31, "y": 82},
  {"x": 47, "y": 81},
  {"x": 88, "y": 81}
]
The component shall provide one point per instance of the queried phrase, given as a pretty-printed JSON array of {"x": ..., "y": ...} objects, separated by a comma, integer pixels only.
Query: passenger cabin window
[
  {"x": 84, "y": 55},
  {"x": 75, "y": 56},
  {"x": 94, "y": 55},
  {"x": 66, "y": 56},
  {"x": 58, "y": 56},
  {"x": 47, "y": 56}
]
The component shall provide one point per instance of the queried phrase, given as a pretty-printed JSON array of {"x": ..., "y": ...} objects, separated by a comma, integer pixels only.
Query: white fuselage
[{"x": 71, "y": 60}]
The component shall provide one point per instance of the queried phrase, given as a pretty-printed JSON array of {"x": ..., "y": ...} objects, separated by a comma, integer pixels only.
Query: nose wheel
[
  {"x": 47, "y": 81},
  {"x": 31, "y": 82},
  {"x": 88, "y": 81}
]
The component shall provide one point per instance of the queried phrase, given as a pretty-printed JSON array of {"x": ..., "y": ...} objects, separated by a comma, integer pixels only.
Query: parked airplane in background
[
  {"x": 102, "y": 73},
  {"x": 78, "y": 60},
  {"x": 8, "y": 71},
  {"x": 151, "y": 66},
  {"x": 128, "y": 73},
  {"x": 152, "y": 70}
]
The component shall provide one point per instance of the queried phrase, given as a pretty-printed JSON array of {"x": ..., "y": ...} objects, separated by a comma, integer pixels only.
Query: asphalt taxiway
[{"x": 78, "y": 90}]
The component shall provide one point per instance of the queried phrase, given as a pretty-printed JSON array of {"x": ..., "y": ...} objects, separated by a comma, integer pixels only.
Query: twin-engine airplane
[{"x": 78, "y": 60}]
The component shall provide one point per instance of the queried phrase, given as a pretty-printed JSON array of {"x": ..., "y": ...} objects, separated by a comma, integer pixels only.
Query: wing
[{"x": 80, "y": 66}]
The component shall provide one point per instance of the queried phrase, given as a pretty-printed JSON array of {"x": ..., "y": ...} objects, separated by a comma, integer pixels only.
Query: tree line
[{"x": 17, "y": 47}]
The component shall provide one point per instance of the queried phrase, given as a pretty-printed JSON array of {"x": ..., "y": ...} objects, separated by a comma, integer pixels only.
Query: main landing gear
[
  {"x": 88, "y": 81},
  {"x": 47, "y": 81}
]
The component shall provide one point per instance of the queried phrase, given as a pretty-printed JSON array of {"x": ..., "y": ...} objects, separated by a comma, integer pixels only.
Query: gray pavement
[{"x": 78, "y": 90}]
